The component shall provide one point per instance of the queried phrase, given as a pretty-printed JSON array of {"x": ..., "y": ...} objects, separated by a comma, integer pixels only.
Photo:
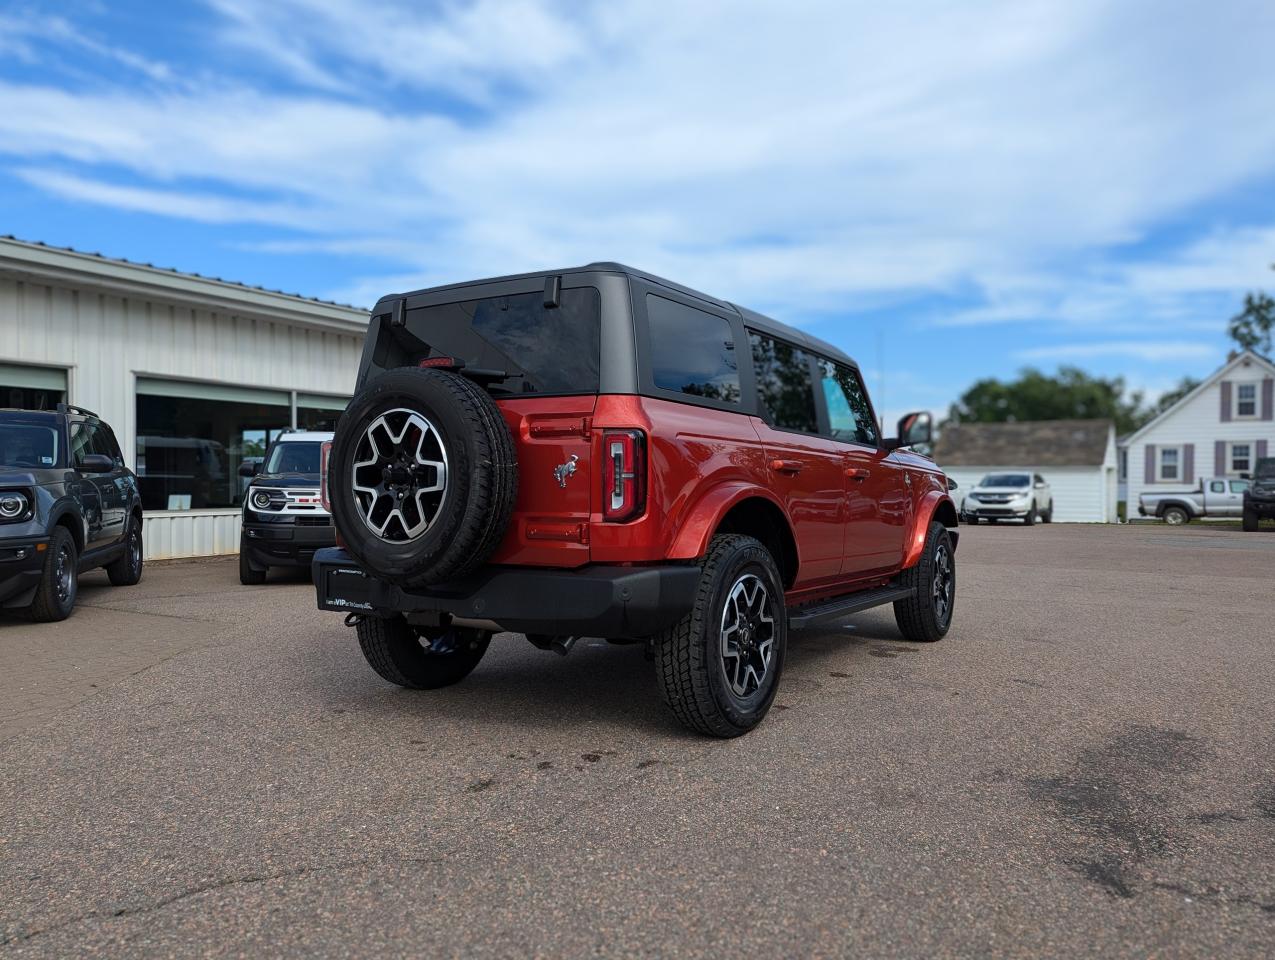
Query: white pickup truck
[{"x": 1216, "y": 497}]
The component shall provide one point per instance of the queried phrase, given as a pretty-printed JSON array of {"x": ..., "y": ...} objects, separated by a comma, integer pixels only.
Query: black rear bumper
[{"x": 592, "y": 601}]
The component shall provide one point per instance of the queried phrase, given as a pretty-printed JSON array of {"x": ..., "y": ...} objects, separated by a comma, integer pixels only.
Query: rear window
[
  {"x": 544, "y": 349},
  {"x": 692, "y": 352},
  {"x": 28, "y": 445},
  {"x": 295, "y": 456}
]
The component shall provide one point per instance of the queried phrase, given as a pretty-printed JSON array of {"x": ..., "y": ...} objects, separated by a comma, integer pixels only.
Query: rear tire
[
  {"x": 55, "y": 596},
  {"x": 1175, "y": 516},
  {"x": 1250, "y": 521},
  {"x": 127, "y": 569},
  {"x": 926, "y": 616},
  {"x": 710, "y": 681},
  {"x": 405, "y": 656},
  {"x": 249, "y": 575}
]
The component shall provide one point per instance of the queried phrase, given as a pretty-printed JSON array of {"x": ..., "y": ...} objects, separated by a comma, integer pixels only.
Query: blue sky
[{"x": 947, "y": 191}]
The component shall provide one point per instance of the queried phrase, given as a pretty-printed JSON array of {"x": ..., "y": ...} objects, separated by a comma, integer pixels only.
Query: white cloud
[
  {"x": 805, "y": 157},
  {"x": 1151, "y": 351}
]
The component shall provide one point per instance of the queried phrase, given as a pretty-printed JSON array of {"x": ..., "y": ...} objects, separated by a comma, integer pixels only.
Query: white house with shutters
[{"x": 1220, "y": 429}]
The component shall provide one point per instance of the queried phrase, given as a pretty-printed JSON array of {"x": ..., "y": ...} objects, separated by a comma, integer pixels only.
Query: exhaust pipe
[{"x": 562, "y": 645}]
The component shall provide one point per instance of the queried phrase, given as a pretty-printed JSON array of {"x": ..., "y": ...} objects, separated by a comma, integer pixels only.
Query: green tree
[
  {"x": 1252, "y": 327},
  {"x": 1185, "y": 386},
  {"x": 1069, "y": 394}
]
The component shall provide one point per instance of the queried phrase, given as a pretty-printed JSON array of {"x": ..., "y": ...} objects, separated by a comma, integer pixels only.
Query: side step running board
[{"x": 841, "y": 607}]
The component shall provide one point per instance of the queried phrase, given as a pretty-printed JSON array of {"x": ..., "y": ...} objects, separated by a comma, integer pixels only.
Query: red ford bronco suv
[{"x": 597, "y": 452}]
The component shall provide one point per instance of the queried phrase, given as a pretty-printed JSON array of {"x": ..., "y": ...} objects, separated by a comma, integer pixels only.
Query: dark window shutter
[
  {"x": 1226, "y": 401},
  {"x": 1261, "y": 449},
  {"x": 1268, "y": 399},
  {"x": 1219, "y": 459},
  {"x": 1148, "y": 475},
  {"x": 1188, "y": 463}
]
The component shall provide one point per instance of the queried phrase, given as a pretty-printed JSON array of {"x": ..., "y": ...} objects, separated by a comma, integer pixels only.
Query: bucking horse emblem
[{"x": 564, "y": 470}]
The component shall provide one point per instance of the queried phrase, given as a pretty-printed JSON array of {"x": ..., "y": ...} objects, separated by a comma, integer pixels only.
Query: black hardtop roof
[
  {"x": 12, "y": 414},
  {"x": 752, "y": 318}
]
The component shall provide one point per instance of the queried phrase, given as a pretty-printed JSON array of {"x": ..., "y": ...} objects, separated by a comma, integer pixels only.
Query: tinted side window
[
  {"x": 692, "y": 352},
  {"x": 1217, "y": 486},
  {"x": 783, "y": 383},
  {"x": 104, "y": 442},
  {"x": 849, "y": 412},
  {"x": 81, "y": 441}
]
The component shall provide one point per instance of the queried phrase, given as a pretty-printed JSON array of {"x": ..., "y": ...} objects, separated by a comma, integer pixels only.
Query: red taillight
[
  {"x": 325, "y": 454},
  {"x": 623, "y": 474},
  {"x": 450, "y": 363}
]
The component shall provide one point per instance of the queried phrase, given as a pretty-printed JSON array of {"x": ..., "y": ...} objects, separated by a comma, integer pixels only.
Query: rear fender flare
[
  {"x": 705, "y": 515},
  {"x": 935, "y": 504},
  {"x": 1191, "y": 510}
]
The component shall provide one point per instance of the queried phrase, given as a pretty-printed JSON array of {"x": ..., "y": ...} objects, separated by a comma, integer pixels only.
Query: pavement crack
[{"x": 202, "y": 888}]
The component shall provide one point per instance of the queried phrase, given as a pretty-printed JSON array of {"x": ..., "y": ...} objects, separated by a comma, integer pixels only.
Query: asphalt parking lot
[{"x": 1085, "y": 766}]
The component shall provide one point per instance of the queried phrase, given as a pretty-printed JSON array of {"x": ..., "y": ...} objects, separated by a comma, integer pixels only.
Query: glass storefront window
[
  {"x": 317, "y": 411},
  {"x": 31, "y": 388},
  {"x": 189, "y": 448}
]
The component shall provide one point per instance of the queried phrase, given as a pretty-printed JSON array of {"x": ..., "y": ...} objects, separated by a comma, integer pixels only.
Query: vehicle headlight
[
  {"x": 14, "y": 505},
  {"x": 261, "y": 500}
]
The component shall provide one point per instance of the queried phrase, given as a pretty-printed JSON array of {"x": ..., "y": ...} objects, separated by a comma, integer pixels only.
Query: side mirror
[
  {"x": 96, "y": 463},
  {"x": 952, "y": 484},
  {"x": 914, "y": 429},
  {"x": 1041, "y": 485},
  {"x": 1245, "y": 476},
  {"x": 249, "y": 469}
]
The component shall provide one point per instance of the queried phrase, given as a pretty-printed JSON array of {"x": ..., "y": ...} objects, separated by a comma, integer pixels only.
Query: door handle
[
  {"x": 786, "y": 466},
  {"x": 858, "y": 473}
]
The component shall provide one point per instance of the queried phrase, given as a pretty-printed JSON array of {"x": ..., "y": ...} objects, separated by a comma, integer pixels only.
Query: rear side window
[
  {"x": 849, "y": 412},
  {"x": 548, "y": 349},
  {"x": 692, "y": 352},
  {"x": 783, "y": 383}
]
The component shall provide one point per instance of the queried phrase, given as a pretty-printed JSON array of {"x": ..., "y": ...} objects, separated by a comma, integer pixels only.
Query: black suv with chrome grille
[
  {"x": 284, "y": 520},
  {"x": 67, "y": 504}
]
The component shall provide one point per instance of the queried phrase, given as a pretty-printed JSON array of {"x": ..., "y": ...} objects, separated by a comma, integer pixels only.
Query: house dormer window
[{"x": 1246, "y": 400}]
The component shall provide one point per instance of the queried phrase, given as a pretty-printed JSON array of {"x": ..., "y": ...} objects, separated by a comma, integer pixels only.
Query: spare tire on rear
[{"x": 422, "y": 476}]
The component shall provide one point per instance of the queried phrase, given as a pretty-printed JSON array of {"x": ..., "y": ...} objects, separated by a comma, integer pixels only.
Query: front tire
[
  {"x": 1250, "y": 521},
  {"x": 926, "y": 616},
  {"x": 1030, "y": 519},
  {"x": 719, "y": 666},
  {"x": 55, "y": 596},
  {"x": 1048, "y": 515},
  {"x": 419, "y": 659}
]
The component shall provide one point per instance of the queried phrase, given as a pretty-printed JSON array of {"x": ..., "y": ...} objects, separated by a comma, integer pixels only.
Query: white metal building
[
  {"x": 1076, "y": 457},
  {"x": 194, "y": 374},
  {"x": 1219, "y": 429}
]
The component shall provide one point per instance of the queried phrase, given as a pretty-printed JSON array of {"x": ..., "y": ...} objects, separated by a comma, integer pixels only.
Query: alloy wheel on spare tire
[{"x": 422, "y": 477}]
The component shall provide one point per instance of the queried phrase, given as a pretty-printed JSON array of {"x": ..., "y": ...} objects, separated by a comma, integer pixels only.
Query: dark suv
[
  {"x": 67, "y": 504},
  {"x": 1259, "y": 498},
  {"x": 284, "y": 521},
  {"x": 599, "y": 452}
]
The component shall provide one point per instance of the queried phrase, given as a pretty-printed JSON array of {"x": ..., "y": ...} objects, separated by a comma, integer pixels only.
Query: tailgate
[{"x": 553, "y": 437}]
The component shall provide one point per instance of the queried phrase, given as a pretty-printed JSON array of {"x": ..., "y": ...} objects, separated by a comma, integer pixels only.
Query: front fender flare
[
  {"x": 704, "y": 515},
  {"x": 914, "y": 544}
]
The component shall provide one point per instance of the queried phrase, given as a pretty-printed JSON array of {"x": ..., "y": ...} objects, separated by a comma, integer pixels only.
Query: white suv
[{"x": 1010, "y": 495}]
